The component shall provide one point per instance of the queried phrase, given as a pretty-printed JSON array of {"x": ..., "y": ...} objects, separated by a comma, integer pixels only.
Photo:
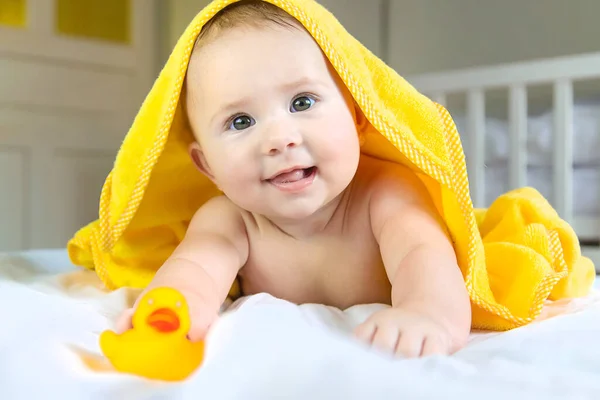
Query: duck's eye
[{"x": 178, "y": 304}]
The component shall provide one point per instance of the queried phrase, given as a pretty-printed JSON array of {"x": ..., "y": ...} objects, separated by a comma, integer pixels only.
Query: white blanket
[{"x": 265, "y": 348}]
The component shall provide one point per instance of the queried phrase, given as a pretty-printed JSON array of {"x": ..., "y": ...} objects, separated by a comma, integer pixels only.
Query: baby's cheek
[
  {"x": 228, "y": 163},
  {"x": 238, "y": 177},
  {"x": 342, "y": 144}
]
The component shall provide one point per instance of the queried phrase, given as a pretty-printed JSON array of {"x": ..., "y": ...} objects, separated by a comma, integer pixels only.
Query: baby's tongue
[{"x": 287, "y": 177}]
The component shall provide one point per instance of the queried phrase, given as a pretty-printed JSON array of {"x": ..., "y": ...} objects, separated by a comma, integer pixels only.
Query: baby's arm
[
  {"x": 430, "y": 306},
  {"x": 204, "y": 265}
]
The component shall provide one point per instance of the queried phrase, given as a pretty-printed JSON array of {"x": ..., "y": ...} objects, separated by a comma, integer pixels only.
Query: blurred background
[{"x": 73, "y": 74}]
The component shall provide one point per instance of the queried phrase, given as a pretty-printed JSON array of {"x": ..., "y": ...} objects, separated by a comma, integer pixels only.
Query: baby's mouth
[{"x": 293, "y": 176}]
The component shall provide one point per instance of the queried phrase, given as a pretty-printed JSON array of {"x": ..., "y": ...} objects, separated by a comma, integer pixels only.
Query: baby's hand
[
  {"x": 202, "y": 316},
  {"x": 405, "y": 333}
]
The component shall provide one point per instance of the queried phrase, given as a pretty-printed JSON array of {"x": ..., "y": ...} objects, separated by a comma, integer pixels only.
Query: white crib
[{"x": 531, "y": 124}]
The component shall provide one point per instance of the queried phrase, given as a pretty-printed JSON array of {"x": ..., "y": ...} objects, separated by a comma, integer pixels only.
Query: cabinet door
[
  {"x": 74, "y": 74},
  {"x": 363, "y": 19}
]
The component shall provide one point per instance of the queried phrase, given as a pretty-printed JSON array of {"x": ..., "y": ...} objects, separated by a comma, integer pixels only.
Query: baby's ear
[
  {"x": 362, "y": 124},
  {"x": 197, "y": 156}
]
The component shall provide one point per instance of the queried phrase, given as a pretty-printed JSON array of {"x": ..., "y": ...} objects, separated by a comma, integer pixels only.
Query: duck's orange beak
[{"x": 164, "y": 320}]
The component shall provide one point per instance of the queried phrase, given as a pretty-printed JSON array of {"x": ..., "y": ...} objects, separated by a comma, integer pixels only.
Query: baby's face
[{"x": 275, "y": 126}]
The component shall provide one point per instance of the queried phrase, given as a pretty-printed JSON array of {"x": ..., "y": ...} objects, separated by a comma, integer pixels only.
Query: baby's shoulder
[
  {"x": 393, "y": 190},
  {"x": 217, "y": 204},
  {"x": 218, "y": 213},
  {"x": 377, "y": 177}
]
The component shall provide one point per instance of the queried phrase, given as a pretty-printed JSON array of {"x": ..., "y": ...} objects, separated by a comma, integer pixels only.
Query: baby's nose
[
  {"x": 280, "y": 142},
  {"x": 274, "y": 149}
]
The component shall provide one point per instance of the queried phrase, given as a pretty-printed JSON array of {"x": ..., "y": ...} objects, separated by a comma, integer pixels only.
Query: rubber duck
[{"x": 157, "y": 346}]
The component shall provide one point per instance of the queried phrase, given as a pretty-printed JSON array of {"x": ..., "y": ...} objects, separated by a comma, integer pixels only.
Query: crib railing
[{"x": 561, "y": 73}]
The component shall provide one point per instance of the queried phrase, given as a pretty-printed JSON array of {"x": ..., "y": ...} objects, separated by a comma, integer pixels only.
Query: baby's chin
[{"x": 285, "y": 207}]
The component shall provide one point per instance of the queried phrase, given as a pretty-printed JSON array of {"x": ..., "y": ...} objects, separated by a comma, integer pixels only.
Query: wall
[
  {"x": 173, "y": 17},
  {"x": 361, "y": 18},
  {"x": 180, "y": 15},
  {"x": 67, "y": 97},
  {"x": 433, "y": 35}
]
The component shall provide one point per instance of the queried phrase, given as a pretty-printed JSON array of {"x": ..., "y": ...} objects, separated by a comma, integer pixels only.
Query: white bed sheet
[
  {"x": 268, "y": 349},
  {"x": 540, "y": 143}
]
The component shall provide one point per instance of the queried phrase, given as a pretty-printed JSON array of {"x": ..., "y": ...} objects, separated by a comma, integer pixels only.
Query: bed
[
  {"x": 265, "y": 348},
  {"x": 534, "y": 123},
  {"x": 539, "y": 145}
]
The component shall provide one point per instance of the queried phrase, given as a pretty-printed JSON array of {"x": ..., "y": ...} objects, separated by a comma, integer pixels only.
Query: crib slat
[
  {"x": 517, "y": 112},
  {"x": 476, "y": 148},
  {"x": 563, "y": 148}
]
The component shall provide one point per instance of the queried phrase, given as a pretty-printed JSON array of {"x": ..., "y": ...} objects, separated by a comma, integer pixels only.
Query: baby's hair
[{"x": 254, "y": 13}]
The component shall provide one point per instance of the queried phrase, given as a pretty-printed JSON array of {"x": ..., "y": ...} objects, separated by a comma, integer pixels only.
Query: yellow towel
[{"x": 513, "y": 256}]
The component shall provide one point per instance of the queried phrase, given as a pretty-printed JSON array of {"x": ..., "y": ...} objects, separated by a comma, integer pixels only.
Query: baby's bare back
[{"x": 340, "y": 266}]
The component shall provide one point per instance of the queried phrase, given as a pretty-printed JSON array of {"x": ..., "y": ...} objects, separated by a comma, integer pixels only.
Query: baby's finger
[
  {"x": 365, "y": 331},
  {"x": 199, "y": 328},
  {"x": 410, "y": 344},
  {"x": 124, "y": 321},
  {"x": 434, "y": 345},
  {"x": 197, "y": 333},
  {"x": 386, "y": 338}
]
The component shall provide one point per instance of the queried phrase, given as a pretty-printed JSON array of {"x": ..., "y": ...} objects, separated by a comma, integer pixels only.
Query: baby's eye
[
  {"x": 302, "y": 103},
  {"x": 241, "y": 122}
]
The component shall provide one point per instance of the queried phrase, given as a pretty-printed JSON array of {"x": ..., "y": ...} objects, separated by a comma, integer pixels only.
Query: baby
[{"x": 305, "y": 216}]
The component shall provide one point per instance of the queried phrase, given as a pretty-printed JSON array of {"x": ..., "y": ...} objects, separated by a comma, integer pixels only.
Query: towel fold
[{"x": 513, "y": 256}]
